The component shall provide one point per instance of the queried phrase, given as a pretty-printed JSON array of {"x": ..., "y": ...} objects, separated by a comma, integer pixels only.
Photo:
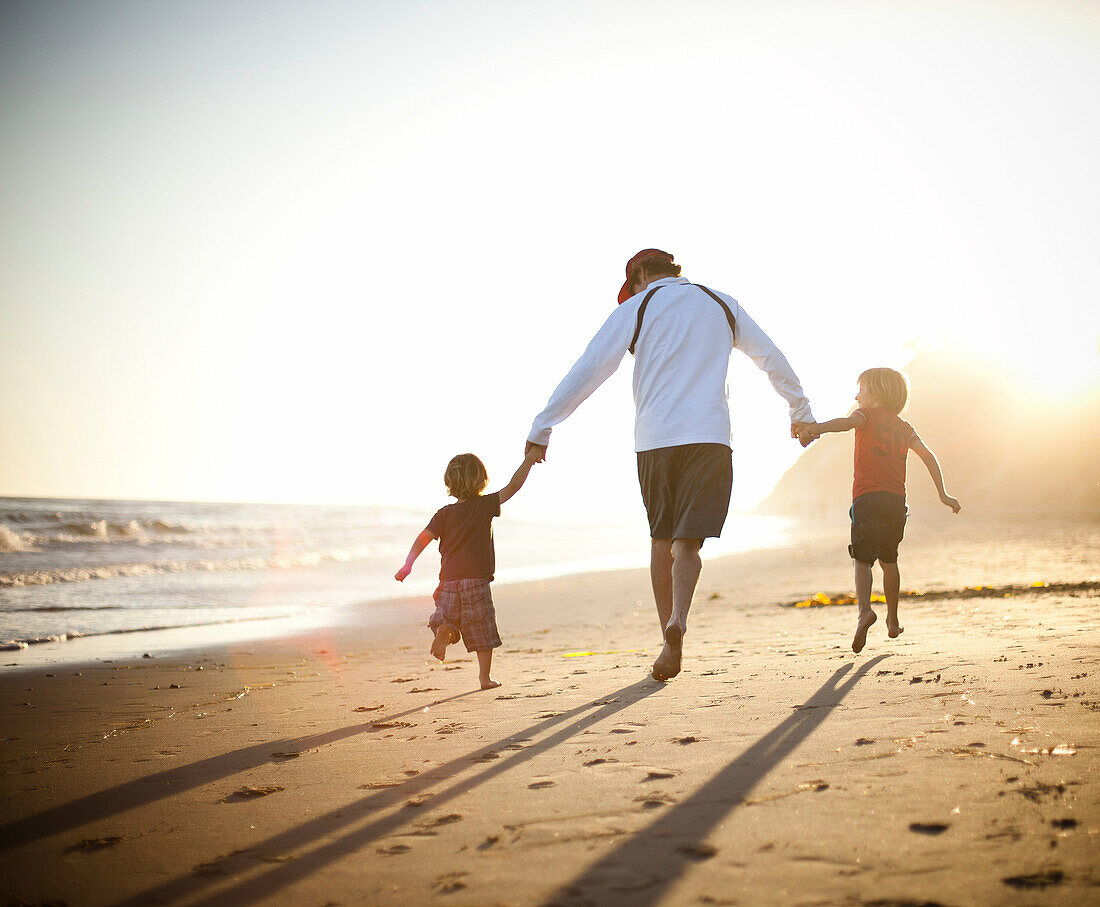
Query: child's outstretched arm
[
  {"x": 422, "y": 541},
  {"x": 918, "y": 447},
  {"x": 534, "y": 455},
  {"x": 812, "y": 430}
]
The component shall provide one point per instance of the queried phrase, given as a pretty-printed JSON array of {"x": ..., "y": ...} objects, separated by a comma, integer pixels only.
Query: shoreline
[{"x": 811, "y": 560}]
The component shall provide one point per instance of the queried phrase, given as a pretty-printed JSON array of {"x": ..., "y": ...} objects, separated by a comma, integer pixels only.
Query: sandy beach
[{"x": 955, "y": 765}]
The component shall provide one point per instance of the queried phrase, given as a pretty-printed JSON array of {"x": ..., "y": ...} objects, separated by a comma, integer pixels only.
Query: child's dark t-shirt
[{"x": 465, "y": 533}]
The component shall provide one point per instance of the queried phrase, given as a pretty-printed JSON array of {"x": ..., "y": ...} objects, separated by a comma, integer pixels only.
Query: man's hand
[
  {"x": 806, "y": 432},
  {"x": 402, "y": 573},
  {"x": 951, "y": 502},
  {"x": 539, "y": 450}
]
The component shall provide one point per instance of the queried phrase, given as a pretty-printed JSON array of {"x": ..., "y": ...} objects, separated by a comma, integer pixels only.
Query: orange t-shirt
[{"x": 881, "y": 447}]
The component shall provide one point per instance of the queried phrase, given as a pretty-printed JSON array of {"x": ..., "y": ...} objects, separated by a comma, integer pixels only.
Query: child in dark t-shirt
[
  {"x": 878, "y": 490},
  {"x": 463, "y": 599}
]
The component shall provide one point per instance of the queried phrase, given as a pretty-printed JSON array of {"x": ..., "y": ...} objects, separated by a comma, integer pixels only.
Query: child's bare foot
[
  {"x": 667, "y": 664},
  {"x": 865, "y": 623},
  {"x": 487, "y": 683},
  {"x": 443, "y": 638},
  {"x": 893, "y": 628}
]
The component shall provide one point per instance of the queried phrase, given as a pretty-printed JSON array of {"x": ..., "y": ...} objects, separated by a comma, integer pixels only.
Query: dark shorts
[
  {"x": 878, "y": 523},
  {"x": 686, "y": 489},
  {"x": 466, "y": 606}
]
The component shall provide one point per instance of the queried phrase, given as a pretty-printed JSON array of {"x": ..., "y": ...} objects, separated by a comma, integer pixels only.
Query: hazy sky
[{"x": 309, "y": 251}]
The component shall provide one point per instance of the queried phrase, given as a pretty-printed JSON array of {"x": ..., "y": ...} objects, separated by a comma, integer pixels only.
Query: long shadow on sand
[
  {"x": 150, "y": 788},
  {"x": 330, "y": 827},
  {"x": 642, "y": 869}
]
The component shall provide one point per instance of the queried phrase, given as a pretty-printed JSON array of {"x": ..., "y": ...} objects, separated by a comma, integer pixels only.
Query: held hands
[
  {"x": 806, "y": 432},
  {"x": 951, "y": 502},
  {"x": 535, "y": 453}
]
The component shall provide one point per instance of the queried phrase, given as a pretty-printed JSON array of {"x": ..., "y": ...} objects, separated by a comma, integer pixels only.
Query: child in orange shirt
[{"x": 878, "y": 491}]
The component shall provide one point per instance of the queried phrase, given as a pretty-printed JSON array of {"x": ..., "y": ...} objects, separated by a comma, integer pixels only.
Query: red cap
[{"x": 634, "y": 263}]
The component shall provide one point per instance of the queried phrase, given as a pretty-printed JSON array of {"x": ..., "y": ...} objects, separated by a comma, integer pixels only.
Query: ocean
[{"x": 71, "y": 569}]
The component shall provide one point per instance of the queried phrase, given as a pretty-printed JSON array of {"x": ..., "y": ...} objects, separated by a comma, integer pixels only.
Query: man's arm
[
  {"x": 933, "y": 465},
  {"x": 758, "y": 346},
  {"x": 534, "y": 455},
  {"x": 422, "y": 541},
  {"x": 598, "y": 363}
]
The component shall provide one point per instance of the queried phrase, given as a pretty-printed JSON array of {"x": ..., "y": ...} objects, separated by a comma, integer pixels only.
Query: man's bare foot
[
  {"x": 865, "y": 623},
  {"x": 443, "y": 638},
  {"x": 667, "y": 664},
  {"x": 487, "y": 683},
  {"x": 893, "y": 628}
]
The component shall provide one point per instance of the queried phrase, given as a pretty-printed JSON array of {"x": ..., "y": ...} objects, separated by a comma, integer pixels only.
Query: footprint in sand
[
  {"x": 393, "y": 850},
  {"x": 598, "y": 761},
  {"x": 659, "y": 775},
  {"x": 91, "y": 845},
  {"x": 1036, "y": 879},
  {"x": 684, "y": 741},
  {"x": 655, "y": 800},
  {"x": 697, "y": 851},
  {"x": 369, "y": 708},
  {"x": 250, "y": 793},
  {"x": 450, "y": 881},
  {"x": 440, "y": 821},
  {"x": 928, "y": 828},
  {"x": 539, "y": 785}
]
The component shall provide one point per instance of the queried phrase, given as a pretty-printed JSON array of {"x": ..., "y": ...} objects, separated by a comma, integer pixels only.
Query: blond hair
[
  {"x": 466, "y": 476},
  {"x": 889, "y": 388}
]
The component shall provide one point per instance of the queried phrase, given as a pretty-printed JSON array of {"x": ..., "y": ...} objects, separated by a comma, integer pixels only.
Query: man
[{"x": 682, "y": 335}]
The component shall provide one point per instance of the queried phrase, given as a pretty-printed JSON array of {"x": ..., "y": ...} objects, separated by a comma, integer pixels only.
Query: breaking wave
[{"x": 154, "y": 568}]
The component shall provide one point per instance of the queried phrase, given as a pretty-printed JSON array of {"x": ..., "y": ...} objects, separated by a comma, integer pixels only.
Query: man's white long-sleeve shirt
[{"x": 683, "y": 350}]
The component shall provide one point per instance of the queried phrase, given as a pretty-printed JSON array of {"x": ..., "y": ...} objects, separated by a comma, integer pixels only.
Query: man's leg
[
  {"x": 660, "y": 574},
  {"x": 686, "y": 566}
]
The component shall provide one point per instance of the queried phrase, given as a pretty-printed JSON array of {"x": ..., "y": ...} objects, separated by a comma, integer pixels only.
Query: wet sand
[{"x": 954, "y": 765}]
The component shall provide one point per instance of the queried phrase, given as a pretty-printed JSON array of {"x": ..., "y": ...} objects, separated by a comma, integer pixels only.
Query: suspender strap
[
  {"x": 649, "y": 295},
  {"x": 725, "y": 308},
  {"x": 641, "y": 315}
]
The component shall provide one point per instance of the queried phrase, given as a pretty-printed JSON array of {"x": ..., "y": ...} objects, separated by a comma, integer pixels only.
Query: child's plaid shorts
[{"x": 466, "y": 606}]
